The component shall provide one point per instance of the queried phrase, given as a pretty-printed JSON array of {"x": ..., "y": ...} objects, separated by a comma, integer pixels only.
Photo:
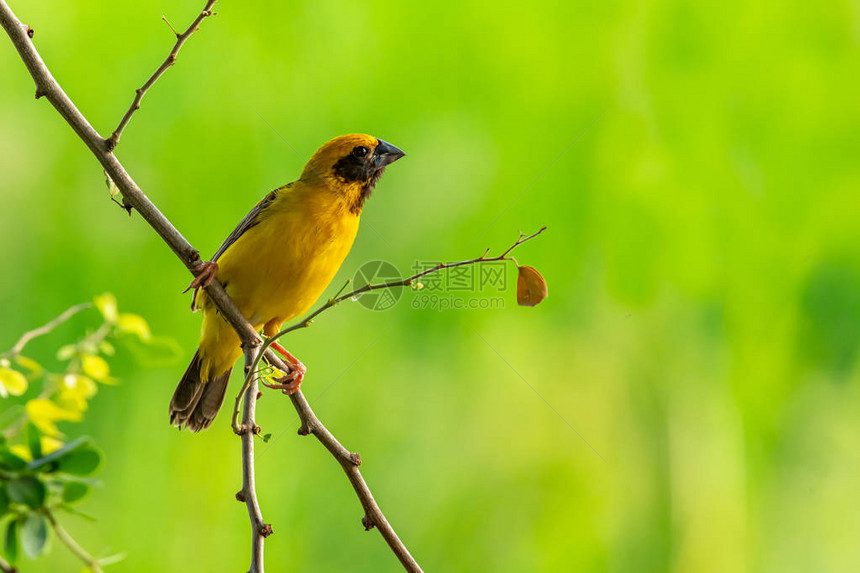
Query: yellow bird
[{"x": 277, "y": 262}]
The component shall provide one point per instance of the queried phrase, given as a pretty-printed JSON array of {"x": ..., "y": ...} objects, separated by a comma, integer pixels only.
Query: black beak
[{"x": 386, "y": 154}]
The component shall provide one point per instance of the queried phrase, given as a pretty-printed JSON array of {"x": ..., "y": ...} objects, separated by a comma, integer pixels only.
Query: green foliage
[
  {"x": 40, "y": 472},
  {"x": 34, "y": 534},
  {"x": 74, "y": 491},
  {"x": 28, "y": 490},
  {"x": 10, "y": 541}
]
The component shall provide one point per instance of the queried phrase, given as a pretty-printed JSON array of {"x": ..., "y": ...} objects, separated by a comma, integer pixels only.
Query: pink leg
[{"x": 290, "y": 383}]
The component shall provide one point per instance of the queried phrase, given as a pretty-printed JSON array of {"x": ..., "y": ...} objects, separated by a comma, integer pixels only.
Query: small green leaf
[
  {"x": 72, "y": 511},
  {"x": 67, "y": 352},
  {"x": 112, "y": 559},
  {"x": 27, "y": 490},
  {"x": 34, "y": 440},
  {"x": 113, "y": 190},
  {"x": 80, "y": 462},
  {"x": 34, "y": 535},
  {"x": 4, "y": 499},
  {"x": 75, "y": 491},
  {"x": 34, "y": 367},
  {"x": 10, "y": 545},
  {"x": 107, "y": 348},
  {"x": 266, "y": 438}
]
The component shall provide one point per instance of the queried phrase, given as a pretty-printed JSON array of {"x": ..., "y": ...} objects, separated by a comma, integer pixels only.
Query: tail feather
[{"x": 195, "y": 404}]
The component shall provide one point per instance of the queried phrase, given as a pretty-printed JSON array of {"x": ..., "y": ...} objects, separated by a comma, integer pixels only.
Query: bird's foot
[
  {"x": 206, "y": 272},
  {"x": 290, "y": 383}
]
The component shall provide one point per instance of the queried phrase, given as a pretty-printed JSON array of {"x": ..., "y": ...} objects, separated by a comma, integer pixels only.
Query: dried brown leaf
[{"x": 531, "y": 286}]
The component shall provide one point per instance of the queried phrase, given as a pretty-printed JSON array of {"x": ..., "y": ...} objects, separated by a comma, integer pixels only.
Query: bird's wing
[{"x": 249, "y": 221}]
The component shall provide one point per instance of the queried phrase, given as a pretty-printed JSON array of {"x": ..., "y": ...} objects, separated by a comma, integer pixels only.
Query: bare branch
[
  {"x": 47, "y": 86},
  {"x": 113, "y": 140},
  {"x": 373, "y": 516},
  {"x": 45, "y": 328}
]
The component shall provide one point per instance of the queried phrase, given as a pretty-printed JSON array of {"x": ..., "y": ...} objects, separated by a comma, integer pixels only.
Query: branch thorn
[
  {"x": 169, "y": 25},
  {"x": 367, "y": 522}
]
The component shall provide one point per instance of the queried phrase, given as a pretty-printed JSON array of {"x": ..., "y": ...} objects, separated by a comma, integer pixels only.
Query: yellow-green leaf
[
  {"x": 112, "y": 188},
  {"x": 134, "y": 324},
  {"x": 106, "y": 303},
  {"x": 44, "y": 414},
  {"x": 12, "y": 382},
  {"x": 95, "y": 367},
  {"x": 531, "y": 286},
  {"x": 34, "y": 367},
  {"x": 67, "y": 352}
]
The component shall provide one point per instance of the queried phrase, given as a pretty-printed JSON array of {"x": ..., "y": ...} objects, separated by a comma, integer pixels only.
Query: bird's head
[{"x": 350, "y": 165}]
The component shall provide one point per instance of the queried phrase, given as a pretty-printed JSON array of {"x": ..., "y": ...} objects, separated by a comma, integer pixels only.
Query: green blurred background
[{"x": 697, "y": 168}]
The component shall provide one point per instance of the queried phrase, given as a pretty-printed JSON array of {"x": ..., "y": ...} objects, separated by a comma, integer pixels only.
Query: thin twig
[
  {"x": 338, "y": 298},
  {"x": 113, "y": 140},
  {"x": 48, "y": 87},
  {"x": 6, "y": 567},
  {"x": 248, "y": 494},
  {"x": 349, "y": 461},
  {"x": 45, "y": 329},
  {"x": 73, "y": 546}
]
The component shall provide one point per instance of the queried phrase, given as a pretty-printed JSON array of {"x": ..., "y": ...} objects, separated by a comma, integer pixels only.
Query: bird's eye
[{"x": 360, "y": 151}]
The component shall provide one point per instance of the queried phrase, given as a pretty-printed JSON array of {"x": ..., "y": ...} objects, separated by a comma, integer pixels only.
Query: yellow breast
[{"x": 278, "y": 268}]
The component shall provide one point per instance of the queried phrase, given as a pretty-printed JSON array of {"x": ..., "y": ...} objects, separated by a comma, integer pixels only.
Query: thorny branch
[
  {"x": 47, "y": 86},
  {"x": 113, "y": 140}
]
